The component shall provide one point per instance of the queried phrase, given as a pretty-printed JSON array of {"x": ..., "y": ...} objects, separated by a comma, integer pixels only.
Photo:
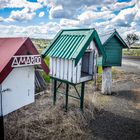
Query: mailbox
[
  {"x": 113, "y": 45},
  {"x": 73, "y": 53},
  {"x": 73, "y": 56}
]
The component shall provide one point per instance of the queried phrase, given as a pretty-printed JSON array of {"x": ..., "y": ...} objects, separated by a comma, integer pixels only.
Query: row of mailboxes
[{"x": 74, "y": 53}]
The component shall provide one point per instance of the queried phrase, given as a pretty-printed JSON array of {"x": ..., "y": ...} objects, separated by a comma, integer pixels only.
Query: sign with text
[{"x": 26, "y": 60}]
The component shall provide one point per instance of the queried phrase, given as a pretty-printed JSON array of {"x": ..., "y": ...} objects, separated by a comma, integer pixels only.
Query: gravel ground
[
  {"x": 118, "y": 117},
  {"x": 114, "y": 117}
]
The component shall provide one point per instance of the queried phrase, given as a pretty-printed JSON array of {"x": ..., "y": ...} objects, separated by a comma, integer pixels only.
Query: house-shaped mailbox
[
  {"x": 18, "y": 57},
  {"x": 113, "y": 44},
  {"x": 73, "y": 56}
]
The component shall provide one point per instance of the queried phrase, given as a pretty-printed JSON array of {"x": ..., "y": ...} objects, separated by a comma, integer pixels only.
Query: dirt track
[
  {"x": 115, "y": 117},
  {"x": 119, "y": 114}
]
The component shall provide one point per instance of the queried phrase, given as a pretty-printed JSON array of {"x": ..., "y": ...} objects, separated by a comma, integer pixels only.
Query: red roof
[{"x": 15, "y": 46}]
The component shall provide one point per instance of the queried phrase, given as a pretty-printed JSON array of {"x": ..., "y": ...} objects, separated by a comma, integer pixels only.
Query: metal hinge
[{"x": 7, "y": 89}]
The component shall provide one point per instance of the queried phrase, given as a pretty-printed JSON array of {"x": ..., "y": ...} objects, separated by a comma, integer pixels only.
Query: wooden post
[
  {"x": 54, "y": 96},
  {"x": 107, "y": 80},
  {"x": 95, "y": 71},
  {"x": 82, "y": 96},
  {"x": 67, "y": 94}
]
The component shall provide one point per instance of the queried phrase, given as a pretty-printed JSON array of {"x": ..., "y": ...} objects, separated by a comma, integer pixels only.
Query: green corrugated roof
[{"x": 71, "y": 44}]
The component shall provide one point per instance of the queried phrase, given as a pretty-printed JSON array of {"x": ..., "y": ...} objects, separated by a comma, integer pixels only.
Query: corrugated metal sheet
[
  {"x": 67, "y": 44},
  {"x": 71, "y": 44}
]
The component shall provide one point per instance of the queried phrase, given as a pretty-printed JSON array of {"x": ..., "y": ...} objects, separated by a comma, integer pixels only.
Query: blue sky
[{"x": 44, "y": 18}]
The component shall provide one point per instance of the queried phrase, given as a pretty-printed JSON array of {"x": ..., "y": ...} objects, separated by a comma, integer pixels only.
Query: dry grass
[
  {"x": 113, "y": 119},
  {"x": 41, "y": 120}
]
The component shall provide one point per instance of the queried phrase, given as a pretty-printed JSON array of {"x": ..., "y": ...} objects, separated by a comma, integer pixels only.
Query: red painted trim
[
  {"x": 6, "y": 71},
  {"x": 27, "y": 47}
]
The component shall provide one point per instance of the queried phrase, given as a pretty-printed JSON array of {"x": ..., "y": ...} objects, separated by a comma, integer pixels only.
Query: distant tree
[{"x": 132, "y": 38}]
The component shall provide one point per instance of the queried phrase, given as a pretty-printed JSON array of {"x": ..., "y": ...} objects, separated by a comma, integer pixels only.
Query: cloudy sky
[{"x": 44, "y": 18}]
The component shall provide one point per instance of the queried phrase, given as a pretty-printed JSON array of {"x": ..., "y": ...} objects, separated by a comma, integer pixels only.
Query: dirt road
[
  {"x": 119, "y": 114},
  {"x": 131, "y": 64}
]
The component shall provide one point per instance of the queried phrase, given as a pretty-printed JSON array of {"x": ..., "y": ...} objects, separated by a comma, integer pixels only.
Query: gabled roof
[
  {"x": 71, "y": 44},
  {"x": 15, "y": 46},
  {"x": 107, "y": 36}
]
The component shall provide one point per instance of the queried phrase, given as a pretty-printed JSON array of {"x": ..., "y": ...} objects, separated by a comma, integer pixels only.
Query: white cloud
[
  {"x": 59, "y": 12},
  {"x": 41, "y": 14},
  {"x": 70, "y": 8},
  {"x": 121, "y": 5},
  {"x": 93, "y": 16},
  {"x": 104, "y": 8},
  {"x": 20, "y": 4},
  {"x": 1, "y": 19},
  {"x": 9, "y": 19},
  {"x": 23, "y": 15},
  {"x": 69, "y": 23},
  {"x": 27, "y": 12},
  {"x": 72, "y": 13},
  {"x": 125, "y": 17},
  {"x": 44, "y": 2},
  {"x": 137, "y": 16},
  {"x": 92, "y": 7},
  {"x": 48, "y": 30}
]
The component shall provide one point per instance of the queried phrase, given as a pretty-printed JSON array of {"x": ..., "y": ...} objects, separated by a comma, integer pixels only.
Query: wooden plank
[
  {"x": 58, "y": 68},
  {"x": 70, "y": 71},
  {"x": 62, "y": 69},
  {"x": 54, "y": 67},
  {"x": 51, "y": 68},
  {"x": 66, "y": 69},
  {"x": 74, "y": 75},
  {"x": 91, "y": 61},
  {"x": 92, "y": 45},
  {"x": 79, "y": 70},
  {"x": 86, "y": 78}
]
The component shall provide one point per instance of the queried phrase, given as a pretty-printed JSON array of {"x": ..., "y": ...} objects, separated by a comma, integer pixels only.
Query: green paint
[
  {"x": 113, "y": 47},
  {"x": 67, "y": 94},
  {"x": 99, "y": 61},
  {"x": 71, "y": 44},
  {"x": 114, "y": 52},
  {"x": 54, "y": 97},
  {"x": 115, "y": 33},
  {"x": 82, "y": 96}
]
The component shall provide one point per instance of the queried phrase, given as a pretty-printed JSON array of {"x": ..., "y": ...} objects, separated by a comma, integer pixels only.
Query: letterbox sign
[{"x": 26, "y": 60}]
